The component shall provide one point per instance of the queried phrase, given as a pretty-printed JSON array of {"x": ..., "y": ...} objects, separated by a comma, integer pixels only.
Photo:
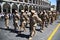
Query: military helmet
[
  {"x": 16, "y": 11},
  {"x": 22, "y": 10},
  {"x": 33, "y": 11}
]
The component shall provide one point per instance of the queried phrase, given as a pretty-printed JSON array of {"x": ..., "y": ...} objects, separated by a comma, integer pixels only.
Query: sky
[{"x": 53, "y": 2}]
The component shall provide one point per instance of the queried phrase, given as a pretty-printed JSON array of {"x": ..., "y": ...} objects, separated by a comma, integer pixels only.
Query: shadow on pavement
[
  {"x": 37, "y": 29},
  {"x": 14, "y": 31},
  {"x": 58, "y": 22},
  {"x": 23, "y": 36},
  {"x": 11, "y": 30}
]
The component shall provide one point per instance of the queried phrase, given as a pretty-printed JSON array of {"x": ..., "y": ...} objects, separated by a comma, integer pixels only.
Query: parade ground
[{"x": 50, "y": 33}]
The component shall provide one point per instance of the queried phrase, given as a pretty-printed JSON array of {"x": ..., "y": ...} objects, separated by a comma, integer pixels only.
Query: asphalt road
[
  {"x": 10, "y": 34},
  {"x": 57, "y": 35}
]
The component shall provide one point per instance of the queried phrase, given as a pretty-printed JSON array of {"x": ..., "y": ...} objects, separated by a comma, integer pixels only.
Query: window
[
  {"x": 15, "y": 0},
  {"x": 26, "y": 0},
  {"x": 20, "y": 8},
  {"x": 21, "y": 0},
  {"x": 0, "y": 8},
  {"x": 30, "y": 8},
  {"x": 6, "y": 7},
  {"x": 34, "y": 1},
  {"x": 26, "y": 8},
  {"x": 14, "y": 7},
  {"x": 33, "y": 7},
  {"x": 30, "y": 1}
]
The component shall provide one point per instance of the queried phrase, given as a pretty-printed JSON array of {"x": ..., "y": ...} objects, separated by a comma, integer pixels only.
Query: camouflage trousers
[
  {"x": 15, "y": 23},
  {"x": 32, "y": 29},
  {"x": 22, "y": 25},
  {"x": 7, "y": 23}
]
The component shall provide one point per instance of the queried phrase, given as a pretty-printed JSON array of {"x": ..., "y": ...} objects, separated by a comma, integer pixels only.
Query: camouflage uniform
[
  {"x": 6, "y": 20},
  {"x": 16, "y": 17},
  {"x": 50, "y": 17},
  {"x": 34, "y": 19},
  {"x": 44, "y": 19},
  {"x": 41, "y": 23},
  {"x": 54, "y": 15},
  {"x": 23, "y": 19},
  {"x": 32, "y": 26}
]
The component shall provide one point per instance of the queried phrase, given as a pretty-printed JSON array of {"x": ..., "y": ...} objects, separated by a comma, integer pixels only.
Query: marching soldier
[
  {"x": 47, "y": 19},
  {"x": 32, "y": 25},
  {"x": 40, "y": 23},
  {"x": 44, "y": 18},
  {"x": 54, "y": 15},
  {"x": 57, "y": 14},
  {"x": 50, "y": 17},
  {"x": 34, "y": 19},
  {"x": 6, "y": 20},
  {"x": 40, "y": 15},
  {"x": 23, "y": 19},
  {"x": 28, "y": 21},
  {"x": 16, "y": 17}
]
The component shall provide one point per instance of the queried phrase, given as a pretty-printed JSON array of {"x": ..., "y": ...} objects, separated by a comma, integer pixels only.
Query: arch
[
  {"x": 20, "y": 8},
  {"x": 14, "y": 0},
  {"x": 36, "y": 9},
  {"x": 39, "y": 8},
  {"x": 30, "y": 8},
  {"x": 0, "y": 8},
  {"x": 34, "y": 1},
  {"x": 21, "y": 0},
  {"x": 26, "y": 1},
  {"x": 33, "y": 7},
  {"x": 6, "y": 7},
  {"x": 26, "y": 8},
  {"x": 14, "y": 7}
]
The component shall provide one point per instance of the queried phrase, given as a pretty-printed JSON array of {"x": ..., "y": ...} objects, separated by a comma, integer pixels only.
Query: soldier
[
  {"x": 6, "y": 20},
  {"x": 57, "y": 14},
  {"x": 50, "y": 17},
  {"x": 23, "y": 19},
  {"x": 53, "y": 16},
  {"x": 28, "y": 21},
  {"x": 16, "y": 17},
  {"x": 32, "y": 25},
  {"x": 44, "y": 18},
  {"x": 34, "y": 19},
  {"x": 41, "y": 23}
]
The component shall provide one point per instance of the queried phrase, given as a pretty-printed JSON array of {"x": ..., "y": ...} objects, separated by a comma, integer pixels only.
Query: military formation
[{"x": 33, "y": 19}]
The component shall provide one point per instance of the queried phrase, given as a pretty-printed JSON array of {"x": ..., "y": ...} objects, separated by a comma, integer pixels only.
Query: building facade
[
  {"x": 10, "y": 5},
  {"x": 53, "y": 7},
  {"x": 58, "y": 5}
]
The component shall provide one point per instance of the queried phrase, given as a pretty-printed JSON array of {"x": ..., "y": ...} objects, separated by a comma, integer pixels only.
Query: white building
[
  {"x": 53, "y": 7},
  {"x": 37, "y": 5}
]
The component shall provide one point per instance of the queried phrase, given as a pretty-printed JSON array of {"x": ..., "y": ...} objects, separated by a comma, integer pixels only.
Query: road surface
[{"x": 10, "y": 34}]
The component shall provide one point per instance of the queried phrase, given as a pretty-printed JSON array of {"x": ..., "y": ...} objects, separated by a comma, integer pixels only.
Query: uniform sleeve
[
  {"x": 18, "y": 16},
  {"x": 37, "y": 18},
  {"x": 26, "y": 17}
]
